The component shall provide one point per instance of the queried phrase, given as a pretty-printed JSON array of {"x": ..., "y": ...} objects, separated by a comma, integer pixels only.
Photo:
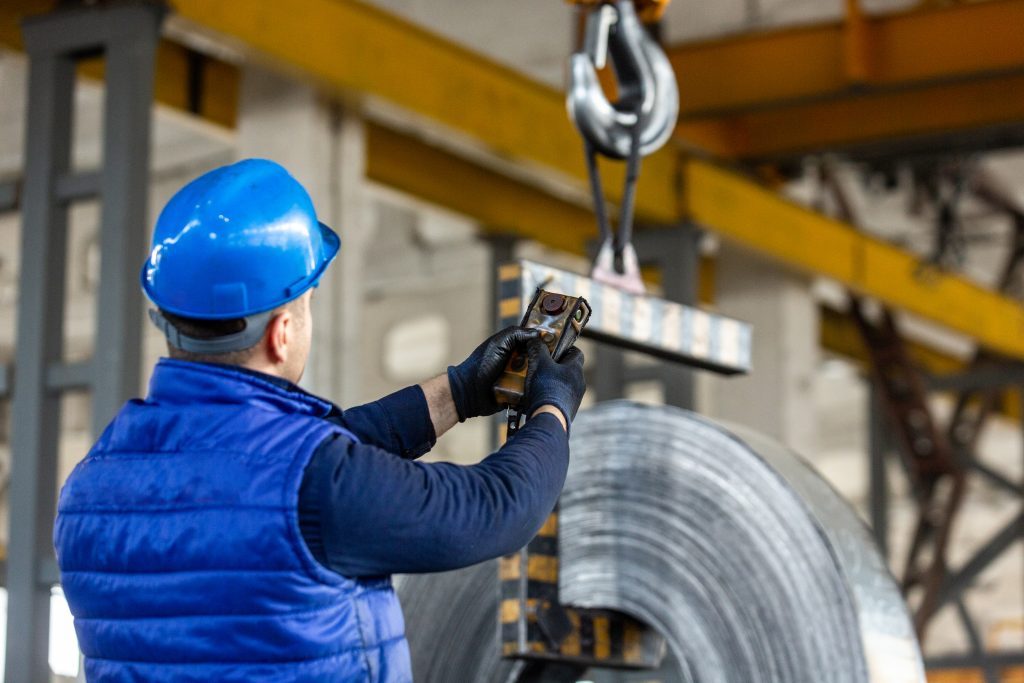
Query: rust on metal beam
[{"x": 839, "y": 335}]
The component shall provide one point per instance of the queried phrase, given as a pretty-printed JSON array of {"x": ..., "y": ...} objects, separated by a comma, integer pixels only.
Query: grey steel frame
[
  {"x": 675, "y": 252},
  {"x": 9, "y": 195},
  {"x": 127, "y": 34},
  {"x": 960, "y": 580}
]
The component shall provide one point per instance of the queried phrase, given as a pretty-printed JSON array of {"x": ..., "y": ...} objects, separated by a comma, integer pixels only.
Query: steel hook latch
[
  {"x": 648, "y": 94},
  {"x": 638, "y": 123}
]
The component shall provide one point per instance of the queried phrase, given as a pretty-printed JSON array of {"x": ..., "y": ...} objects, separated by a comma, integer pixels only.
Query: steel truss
[
  {"x": 938, "y": 461},
  {"x": 950, "y": 585}
]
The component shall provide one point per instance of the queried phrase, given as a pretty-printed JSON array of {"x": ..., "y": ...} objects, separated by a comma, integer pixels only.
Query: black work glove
[
  {"x": 472, "y": 381},
  {"x": 558, "y": 384}
]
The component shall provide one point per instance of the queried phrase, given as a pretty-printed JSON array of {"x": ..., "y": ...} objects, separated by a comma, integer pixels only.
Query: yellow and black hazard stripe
[
  {"x": 510, "y": 295},
  {"x": 529, "y": 578}
]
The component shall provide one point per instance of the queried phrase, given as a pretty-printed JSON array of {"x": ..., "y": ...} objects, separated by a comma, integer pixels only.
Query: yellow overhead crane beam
[
  {"x": 761, "y": 220},
  {"x": 917, "y": 47},
  {"x": 355, "y": 50},
  {"x": 352, "y": 48},
  {"x": 864, "y": 80}
]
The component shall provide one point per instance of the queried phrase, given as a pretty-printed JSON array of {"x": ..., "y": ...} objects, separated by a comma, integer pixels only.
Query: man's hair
[{"x": 211, "y": 329}]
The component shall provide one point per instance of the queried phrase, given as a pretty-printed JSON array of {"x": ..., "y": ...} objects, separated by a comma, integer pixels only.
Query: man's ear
[{"x": 280, "y": 336}]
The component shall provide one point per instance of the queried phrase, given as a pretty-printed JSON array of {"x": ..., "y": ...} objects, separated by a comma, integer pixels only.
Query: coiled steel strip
[{"x": 750, "y": 565}]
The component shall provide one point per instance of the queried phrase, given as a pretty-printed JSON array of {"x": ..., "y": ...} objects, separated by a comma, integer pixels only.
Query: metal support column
[
  {"x": 878, "y": 445},
  {"x": 128, "y": 34},
  {"x": 9, "y": 192},
  {"x": 675, "y": 252},
  {"x": 124, "y": 186},
  {"x": 609, "y": 374},
  {"x": 35, "y": 413}
]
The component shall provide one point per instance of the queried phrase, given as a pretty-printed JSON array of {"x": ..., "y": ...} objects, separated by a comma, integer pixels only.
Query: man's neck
[{"x": 272, "y": 377}]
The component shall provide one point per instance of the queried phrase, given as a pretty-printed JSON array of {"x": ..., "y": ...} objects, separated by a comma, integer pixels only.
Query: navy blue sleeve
[
  {"x": 366, "y": 512},
  {"x": 398, "y": 423}
]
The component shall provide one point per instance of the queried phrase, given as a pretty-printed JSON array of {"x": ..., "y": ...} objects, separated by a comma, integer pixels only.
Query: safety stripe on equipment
[{"x": 664, "y": 328}]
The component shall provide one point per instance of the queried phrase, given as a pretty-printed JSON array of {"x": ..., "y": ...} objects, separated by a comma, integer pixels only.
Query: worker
[{"x": 231, "y": 526}]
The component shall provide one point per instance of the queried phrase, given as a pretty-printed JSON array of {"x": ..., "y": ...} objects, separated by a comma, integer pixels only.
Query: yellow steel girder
[
  {"x": 352, "y": 48},
  {"x": 761, "y": 220},
  {"x": 941, "y": 71},
  {"x": 499, "y": 203},
  {"x": 916, "y": 47}
]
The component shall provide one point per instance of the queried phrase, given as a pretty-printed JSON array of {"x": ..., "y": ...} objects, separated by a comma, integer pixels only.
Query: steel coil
[{"x": 749, "y": 564}]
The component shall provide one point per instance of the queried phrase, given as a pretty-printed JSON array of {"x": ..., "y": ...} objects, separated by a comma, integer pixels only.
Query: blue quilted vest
[{"x": 180, "y": 552}]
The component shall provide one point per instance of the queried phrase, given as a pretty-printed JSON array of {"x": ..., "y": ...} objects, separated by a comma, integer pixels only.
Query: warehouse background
[{"x": 421, "y": 234}]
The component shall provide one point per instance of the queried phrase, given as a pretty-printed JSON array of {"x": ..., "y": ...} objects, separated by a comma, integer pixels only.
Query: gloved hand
[
  {"x": 472, "y": 381},
  {"x": 558, "y": 384}
]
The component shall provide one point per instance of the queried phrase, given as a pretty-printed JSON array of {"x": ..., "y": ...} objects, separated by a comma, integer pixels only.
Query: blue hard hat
[{"x": 237, "y": 241}]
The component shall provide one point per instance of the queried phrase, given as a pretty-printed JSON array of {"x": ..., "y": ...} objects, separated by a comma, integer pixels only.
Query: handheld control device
[{"x": 560, "y": 319}]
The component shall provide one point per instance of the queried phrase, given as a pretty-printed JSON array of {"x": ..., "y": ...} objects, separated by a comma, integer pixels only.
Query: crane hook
[
  {"x": 640, "y": 122},
  {"x": 649, "y": 96}
]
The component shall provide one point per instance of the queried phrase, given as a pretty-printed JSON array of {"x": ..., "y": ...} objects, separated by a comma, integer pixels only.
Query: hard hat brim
[{"x": 331, "y": 246}]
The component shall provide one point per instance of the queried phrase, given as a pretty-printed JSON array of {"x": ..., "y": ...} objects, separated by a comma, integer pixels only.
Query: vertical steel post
[
  {"x": 124, "y": 189},
  {"x": 128, "y": 34},
  {"x": 878, "y": 445},
  {"x": 609, "y": 373},
  {"x": 36, "y": 411},
  {"x": 130, "y": 60},
  {"x": 676, "y": 252}
]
